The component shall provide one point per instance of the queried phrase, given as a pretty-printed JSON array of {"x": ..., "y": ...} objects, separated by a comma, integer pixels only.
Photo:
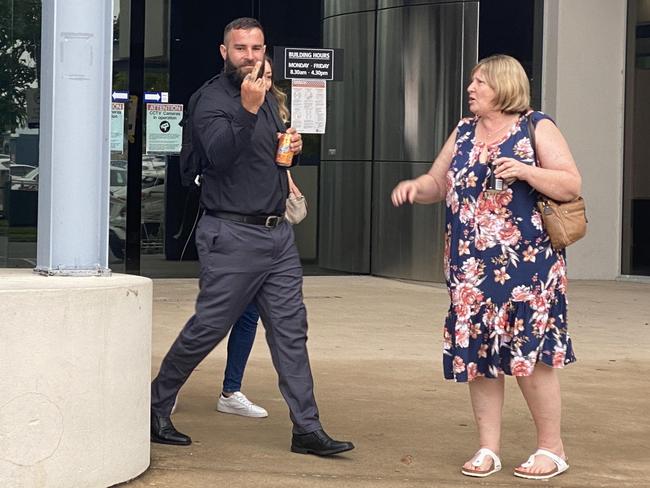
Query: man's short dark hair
[{"x": 244, "y": 23}]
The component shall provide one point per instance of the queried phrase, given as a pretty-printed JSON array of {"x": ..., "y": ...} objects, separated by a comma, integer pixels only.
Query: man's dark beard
[{"x": 234, "y": 74}]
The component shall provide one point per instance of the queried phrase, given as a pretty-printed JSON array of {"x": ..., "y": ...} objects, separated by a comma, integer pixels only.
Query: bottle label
[{"x": 284, "y": 156}]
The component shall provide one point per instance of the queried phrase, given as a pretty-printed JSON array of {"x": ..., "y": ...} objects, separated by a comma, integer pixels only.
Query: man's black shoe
[
  {"x": 163, "y": 432},
  {"x": 319, "y": 443}
]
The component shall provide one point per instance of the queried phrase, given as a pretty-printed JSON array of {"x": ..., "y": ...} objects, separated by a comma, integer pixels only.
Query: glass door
[{"x": 636, "y": 200}]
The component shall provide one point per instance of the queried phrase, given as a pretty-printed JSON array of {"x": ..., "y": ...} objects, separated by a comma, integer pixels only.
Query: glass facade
[
  {"x": 180, "y": 50},
  {"x": 636, "y": 199},
  {"x": 154, "y": 167},
  {"x": 176, "y": 58},
  {"x": 20, "y": 36}
]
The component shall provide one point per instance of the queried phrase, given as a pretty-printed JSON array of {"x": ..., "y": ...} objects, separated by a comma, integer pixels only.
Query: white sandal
[
  {"x": 481, "y": 454},
  {"x": 560, "y": 466}
]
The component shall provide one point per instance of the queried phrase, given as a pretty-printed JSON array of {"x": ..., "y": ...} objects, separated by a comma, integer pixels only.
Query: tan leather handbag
[{"x": 564, "y": 222}]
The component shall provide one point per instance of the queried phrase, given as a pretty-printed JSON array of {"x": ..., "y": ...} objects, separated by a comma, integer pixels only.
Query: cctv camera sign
[{"x": 164, "y": 135}]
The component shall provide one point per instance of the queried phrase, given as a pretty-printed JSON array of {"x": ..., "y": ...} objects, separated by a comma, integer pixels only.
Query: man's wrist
[
  {"x": 251, "y": 109},
  {"x": 244, "y": 117}
]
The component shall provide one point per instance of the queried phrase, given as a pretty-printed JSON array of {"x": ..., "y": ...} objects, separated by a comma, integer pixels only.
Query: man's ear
[{"x": 223, "y": 50}]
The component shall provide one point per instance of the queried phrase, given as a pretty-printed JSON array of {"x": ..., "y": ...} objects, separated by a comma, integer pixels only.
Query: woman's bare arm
[{"x": 431, "y": 186}]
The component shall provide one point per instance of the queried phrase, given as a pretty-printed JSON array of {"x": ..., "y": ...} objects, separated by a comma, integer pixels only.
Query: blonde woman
[
  {"x": 508, "y": 313},
  {"x": 285, "y": 115}
]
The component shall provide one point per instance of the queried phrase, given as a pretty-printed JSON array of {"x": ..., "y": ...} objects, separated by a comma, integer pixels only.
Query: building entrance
[{"x": 180, "y": 51}]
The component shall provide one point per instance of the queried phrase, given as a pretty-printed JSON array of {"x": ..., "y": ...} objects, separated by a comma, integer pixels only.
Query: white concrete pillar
[
  {"x": 75, "y": 363},
  {"x": 73, "y": 207},
  {"x": 584, "y": 90}
]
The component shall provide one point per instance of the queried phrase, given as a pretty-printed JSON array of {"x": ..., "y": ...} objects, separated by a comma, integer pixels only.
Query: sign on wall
[
  {"x": 309, "y": 63},
  {"x": 164, "y": 135},
  {"x": 309, "y": 70},
  {"x": 117, "y": 127},
  {"x": 309, "y": 106}
]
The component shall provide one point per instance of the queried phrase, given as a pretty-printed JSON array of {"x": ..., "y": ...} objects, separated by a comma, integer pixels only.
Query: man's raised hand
[{"x": 253, "y": 89}]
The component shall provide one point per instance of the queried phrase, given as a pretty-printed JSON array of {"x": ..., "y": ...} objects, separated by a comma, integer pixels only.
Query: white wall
[{"x": 583, "y": 89}]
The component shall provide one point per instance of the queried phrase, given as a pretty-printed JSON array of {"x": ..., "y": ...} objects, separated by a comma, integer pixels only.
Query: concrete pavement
[{"x": 375, "y": 347}]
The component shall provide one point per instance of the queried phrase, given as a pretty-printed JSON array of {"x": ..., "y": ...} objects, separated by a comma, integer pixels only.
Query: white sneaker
[{"x": 238, "y": 404}]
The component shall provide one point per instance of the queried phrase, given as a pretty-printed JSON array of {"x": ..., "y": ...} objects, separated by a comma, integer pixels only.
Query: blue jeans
[{"x": 240, "y": 344}]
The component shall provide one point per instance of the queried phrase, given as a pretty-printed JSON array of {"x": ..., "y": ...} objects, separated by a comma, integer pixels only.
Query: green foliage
[
  {"x": 20, "y": 38},
  {"x": 156, "y": 81},
  {"x": 153, "y": 81},
  {"x": 120, "y": 80}
]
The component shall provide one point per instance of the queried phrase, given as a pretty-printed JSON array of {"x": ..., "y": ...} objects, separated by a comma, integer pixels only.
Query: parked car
[
  {"x": 20, "y": 170},
  {"x": 29, "y": 182},
  {"x": 5, "y": 178},
  {"x": 119, "y": 163},
  {"x": 152, "y": 217},
  {"x": 152, "y": 201},
  {"x": 152, "y": 166},
  {"x": 118, "y": 178}
]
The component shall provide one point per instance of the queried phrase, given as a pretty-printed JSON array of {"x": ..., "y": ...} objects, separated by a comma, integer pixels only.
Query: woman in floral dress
[{"x": 506, "y": 283}]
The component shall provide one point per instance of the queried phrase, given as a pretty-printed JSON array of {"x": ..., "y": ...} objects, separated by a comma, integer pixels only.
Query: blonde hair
[
  {"x": 506, "y": 76},
  {"x": 279, "y": 95}
]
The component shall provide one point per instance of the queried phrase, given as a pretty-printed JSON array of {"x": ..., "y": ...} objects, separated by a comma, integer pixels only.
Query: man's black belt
[{"x": 270, "y": 221}]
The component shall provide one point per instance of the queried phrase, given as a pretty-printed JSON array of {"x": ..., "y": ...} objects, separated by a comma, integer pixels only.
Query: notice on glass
[
  {"x": 117, "y": 127},
  {"x": 164, "y": 134},
  {"x": 309, "y": 106}
]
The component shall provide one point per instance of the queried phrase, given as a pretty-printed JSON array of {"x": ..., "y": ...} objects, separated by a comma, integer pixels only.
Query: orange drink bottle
[{"x": 284, "y": 155}]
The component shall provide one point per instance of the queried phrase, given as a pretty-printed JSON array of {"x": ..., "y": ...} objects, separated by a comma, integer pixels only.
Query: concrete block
[{"x": 75, "y": 357}]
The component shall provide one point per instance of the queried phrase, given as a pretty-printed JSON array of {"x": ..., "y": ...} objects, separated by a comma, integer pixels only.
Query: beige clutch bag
[{"x": 296, "y": 209}]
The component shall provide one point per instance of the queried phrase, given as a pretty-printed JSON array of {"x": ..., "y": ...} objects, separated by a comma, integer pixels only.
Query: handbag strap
[
  {"x": 533, "y": 144},
  {"x": 531, "y": 133}
]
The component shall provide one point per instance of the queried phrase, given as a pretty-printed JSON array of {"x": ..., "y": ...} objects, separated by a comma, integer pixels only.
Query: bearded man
[{"x": 246, "y": 247}]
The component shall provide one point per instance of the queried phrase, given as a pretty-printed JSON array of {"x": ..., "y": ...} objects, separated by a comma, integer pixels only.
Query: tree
[{"x": 20, "y": 46}]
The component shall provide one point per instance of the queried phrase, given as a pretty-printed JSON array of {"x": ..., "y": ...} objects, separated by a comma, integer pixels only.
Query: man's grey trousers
[{"x": 241, "y": 263}]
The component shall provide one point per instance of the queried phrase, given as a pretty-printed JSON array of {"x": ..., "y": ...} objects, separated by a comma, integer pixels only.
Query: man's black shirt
[{"x": 242, "y": 176}]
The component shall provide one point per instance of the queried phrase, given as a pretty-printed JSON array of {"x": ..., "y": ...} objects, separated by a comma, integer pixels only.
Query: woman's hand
[
  {"x": 510, "y": 170},
  {"x": 405, "y": 191},
  {"x": 429, "y": 187},
  {"x": 293, "y": 189}
]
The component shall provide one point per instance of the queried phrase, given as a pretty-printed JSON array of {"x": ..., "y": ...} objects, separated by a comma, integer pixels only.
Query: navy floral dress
[{"x": 506, "y": 283}]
